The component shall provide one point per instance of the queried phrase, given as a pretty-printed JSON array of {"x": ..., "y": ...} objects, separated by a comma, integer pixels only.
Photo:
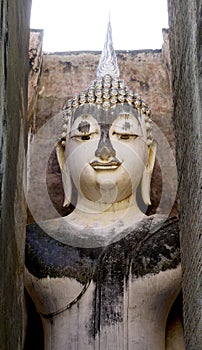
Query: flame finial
[{"x": 108, "y": 61}]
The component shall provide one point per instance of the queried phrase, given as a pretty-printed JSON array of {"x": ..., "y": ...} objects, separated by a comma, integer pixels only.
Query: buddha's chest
[
  {"x": 112, "y": 298},
  {"x": 98, "y": 316}
]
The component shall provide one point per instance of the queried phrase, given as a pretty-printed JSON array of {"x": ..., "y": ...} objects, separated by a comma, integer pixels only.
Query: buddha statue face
[{"x": 106, "y": 154}]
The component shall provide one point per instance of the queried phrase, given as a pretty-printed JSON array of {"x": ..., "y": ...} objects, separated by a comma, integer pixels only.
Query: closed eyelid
[
  {"x": 125, "y": 135},
  {"x": 76, "y": 133}
]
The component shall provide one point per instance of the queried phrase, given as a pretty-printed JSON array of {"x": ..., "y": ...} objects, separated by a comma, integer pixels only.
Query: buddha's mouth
[{"x": 112, "y": 165}]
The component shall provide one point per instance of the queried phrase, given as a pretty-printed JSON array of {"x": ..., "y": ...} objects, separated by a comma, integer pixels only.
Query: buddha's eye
[
  {"x": 124, "y": 136},
  {"x": 85, "y": 137}
]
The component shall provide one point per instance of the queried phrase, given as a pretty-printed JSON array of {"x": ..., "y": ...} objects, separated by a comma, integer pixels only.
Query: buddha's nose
[
  {"x": 105, "y": 150},
  {"x": 104, "y": 153}
]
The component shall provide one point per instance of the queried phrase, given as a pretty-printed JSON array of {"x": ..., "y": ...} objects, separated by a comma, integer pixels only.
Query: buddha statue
[{"x": 106, "y": 275}]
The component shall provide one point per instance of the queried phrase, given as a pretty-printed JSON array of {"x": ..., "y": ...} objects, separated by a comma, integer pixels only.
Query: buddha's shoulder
[
  {"x": 150, "y": 247},
  {"x": 47, "y": 256},
  {"x": 158, "y": 248}
]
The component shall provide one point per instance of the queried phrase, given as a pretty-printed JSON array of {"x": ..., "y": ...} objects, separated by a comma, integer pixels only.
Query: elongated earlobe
[
  {"x": 146, "y": 177},
  {"x": 66, "y": 178}
]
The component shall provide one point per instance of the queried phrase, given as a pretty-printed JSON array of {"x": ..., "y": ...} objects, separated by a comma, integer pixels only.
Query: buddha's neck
[
  {"x": 88, "y": 206},
  {"x": 107, "y": 214}
]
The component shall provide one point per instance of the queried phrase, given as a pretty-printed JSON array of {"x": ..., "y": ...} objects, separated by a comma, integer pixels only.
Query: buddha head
[{"x": 106, "y": 148}]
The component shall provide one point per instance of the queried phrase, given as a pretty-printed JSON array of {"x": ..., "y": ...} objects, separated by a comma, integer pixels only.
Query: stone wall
[
  {"x": 65, "y": 74},
  {"x": 35, "y": 64},
  {"x": 186, "y": 57},
  {"x": 14, "y": 39}
]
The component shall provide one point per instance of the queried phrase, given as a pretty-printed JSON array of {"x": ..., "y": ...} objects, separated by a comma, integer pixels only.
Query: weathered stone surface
[
  {"x": 186, "y": 57},
  {"x": 35, "y": 63},
  {"x": 14, "y": 38},
  {"x": 166, "y": 52}
]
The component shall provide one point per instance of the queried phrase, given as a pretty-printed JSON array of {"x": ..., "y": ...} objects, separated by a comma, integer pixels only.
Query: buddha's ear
[
  {"x": 146, "y": 178},
  {"x": 66, "y": 178}
]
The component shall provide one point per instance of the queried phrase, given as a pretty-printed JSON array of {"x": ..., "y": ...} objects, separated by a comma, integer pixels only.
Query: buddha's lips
[{"x": 105, "y": 166}]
